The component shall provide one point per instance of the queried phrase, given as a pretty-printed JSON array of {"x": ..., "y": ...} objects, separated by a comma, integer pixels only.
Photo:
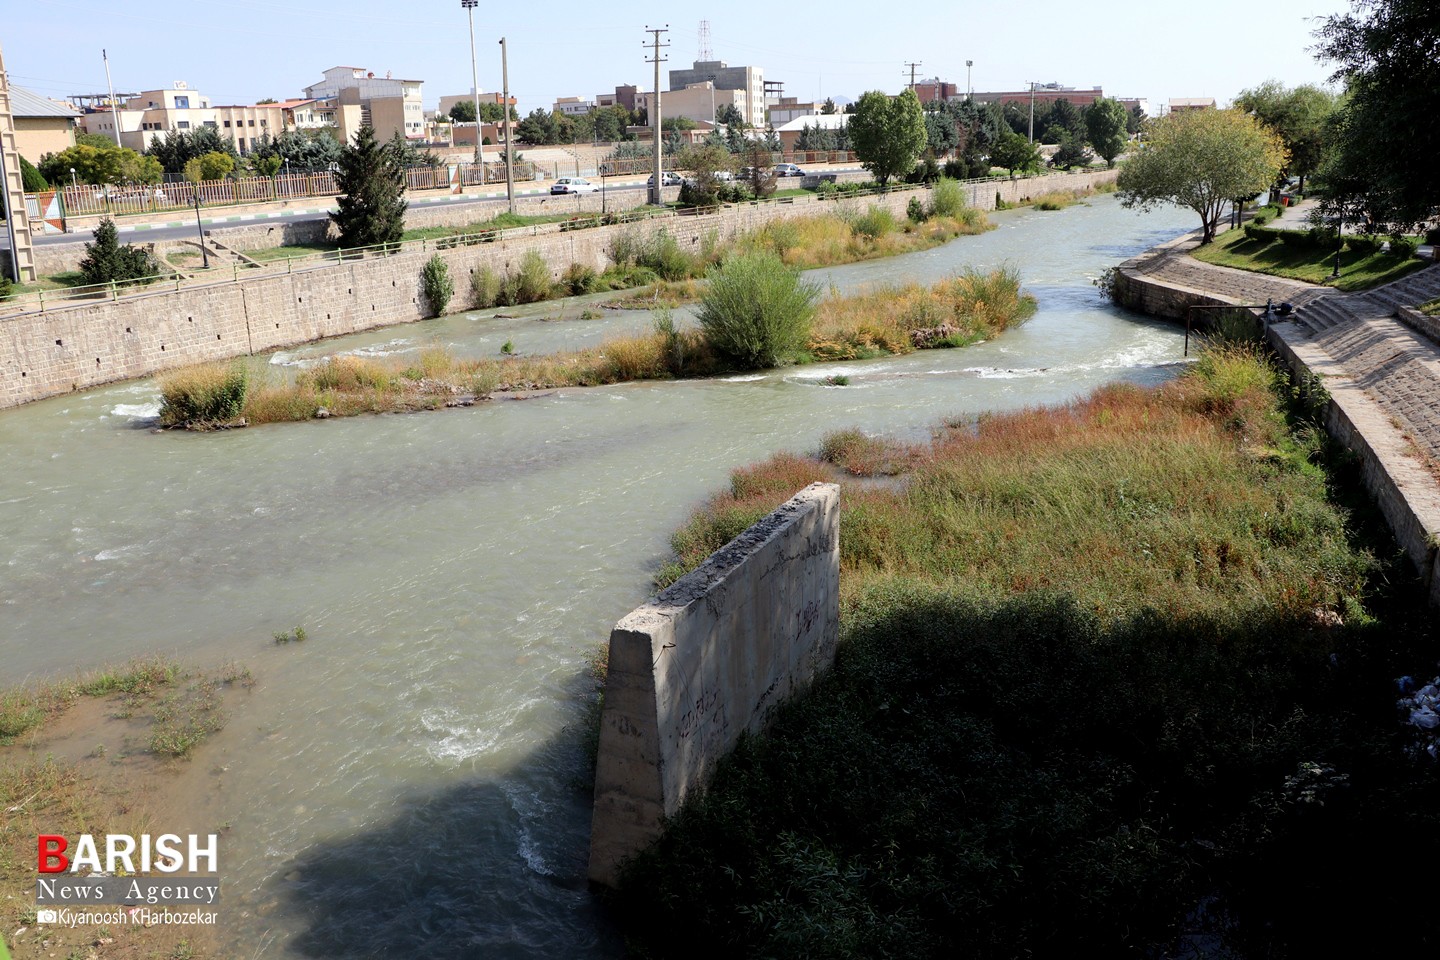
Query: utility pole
[
  {"x": 912, "y": 67},
  {"x": 969, "y": 90},
  {"x": 509, "y": 139},
  {"x": 469, "y": 6},
  {"x": 1032, "y": 112},
  {"x": 656, "y": 197},
  {"x": 12, "y": 191},
  {"x": 114, "y": 107}
]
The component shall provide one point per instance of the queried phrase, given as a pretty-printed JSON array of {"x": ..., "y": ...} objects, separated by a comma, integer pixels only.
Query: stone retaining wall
[
  {"x": 82, "y": 344},
  {"x": 708, "y": 659}
]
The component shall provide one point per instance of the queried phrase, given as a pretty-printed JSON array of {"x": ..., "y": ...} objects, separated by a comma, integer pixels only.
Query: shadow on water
[{"x": 491, "y": 866}]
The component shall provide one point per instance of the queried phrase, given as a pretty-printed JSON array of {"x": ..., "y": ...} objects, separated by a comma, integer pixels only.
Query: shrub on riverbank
[
  {"x": 436, "y": 283},
  {"x": 1091, "y": 677},
  {"x": 208, "y": 394},
  {"x": 755, "y": 311}
]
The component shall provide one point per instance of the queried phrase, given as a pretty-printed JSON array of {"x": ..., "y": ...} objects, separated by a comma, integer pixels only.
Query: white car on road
[{"x": 573, "y": 185}]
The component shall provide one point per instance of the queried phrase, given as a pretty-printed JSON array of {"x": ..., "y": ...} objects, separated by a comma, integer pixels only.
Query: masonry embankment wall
[
  {"x": 1401, "y": 486},
  {"x": 81, "y": 344},
  {"x": 708, "y": 659}
]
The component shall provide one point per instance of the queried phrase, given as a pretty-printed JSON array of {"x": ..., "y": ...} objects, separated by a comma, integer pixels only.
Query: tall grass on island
[
  {"x": 758, "y": 314},
  {"x": 1111, "y": 679}
]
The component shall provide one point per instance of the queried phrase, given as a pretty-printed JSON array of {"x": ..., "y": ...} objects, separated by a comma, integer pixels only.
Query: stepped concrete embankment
[
  {"x": 1381, "y": 376},
  {"x": 79, "y": 344}
]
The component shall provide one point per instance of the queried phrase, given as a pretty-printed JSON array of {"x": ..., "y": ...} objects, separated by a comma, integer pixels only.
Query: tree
[
  {"x": 493, "y": 112},
  {"x": 97, "y": 140},
  {"x": 1386, "y": 55},
  {"x": 888, "y": 133},
  {"x": 106, "y": 259},
  {"x": 1300, "y": 117},
  {"x": 1064, "y": 115},
  {"x": 371, "y": 206},
  {"x": 701, "y": 188},
  {"x": 729, "y": 115},
  {"x": 464, "y": 111},
  {"x": 1135, "y": 120},
  {"x": 1105, "y": 125},
  {"x": 1072, "y": 153},
  {"x": 408, "y": 155},
  {"x": 1203, "y": 160},
  {"x": 31, "y": 178},
  {"x": 107, "y": 164},
  {"x": 179, "y": 147},
  {"x": 828, "y": 107},
  {"x": 209, "y": 166},
  {"x": 761, "y": 175},
  {"x": 265, "y": 101},
  {"x": 538, "y": 127},
  {"x": 1014, "y": 152}
]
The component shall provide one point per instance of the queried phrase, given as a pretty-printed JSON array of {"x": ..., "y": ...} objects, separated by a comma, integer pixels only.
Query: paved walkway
[{"x": 1395, "y": 365}]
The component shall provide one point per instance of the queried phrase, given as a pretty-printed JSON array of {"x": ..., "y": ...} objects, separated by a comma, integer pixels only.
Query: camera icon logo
[{"x": 47, "y": 916}]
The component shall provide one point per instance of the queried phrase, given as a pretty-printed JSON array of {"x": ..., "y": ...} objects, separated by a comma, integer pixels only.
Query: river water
[{"x": 407, "y": 782}]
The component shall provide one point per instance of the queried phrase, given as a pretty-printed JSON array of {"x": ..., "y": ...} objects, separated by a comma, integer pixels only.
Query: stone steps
[
  {"x": 1410, "y": 291},
  {"x": 1324, "y": 313}
]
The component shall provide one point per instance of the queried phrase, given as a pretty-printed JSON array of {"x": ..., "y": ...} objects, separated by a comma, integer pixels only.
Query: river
[{"x": 407, "y": 781}]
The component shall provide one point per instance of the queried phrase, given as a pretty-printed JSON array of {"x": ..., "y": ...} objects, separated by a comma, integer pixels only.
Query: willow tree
[{"x": 1202, "y": 160}]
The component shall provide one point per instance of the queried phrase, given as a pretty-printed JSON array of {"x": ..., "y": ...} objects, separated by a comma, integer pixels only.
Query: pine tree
[
  {"x": 372, "y": 188},
  {"x": 107, "y": 259}
]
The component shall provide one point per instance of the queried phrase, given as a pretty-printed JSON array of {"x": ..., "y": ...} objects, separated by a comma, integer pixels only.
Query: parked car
[
  {"x": 788, "y": 170},
  {"x": 668, "y": 178},
  {"x": 573, "y": 185},
  {"x": 724, "y": 176}
]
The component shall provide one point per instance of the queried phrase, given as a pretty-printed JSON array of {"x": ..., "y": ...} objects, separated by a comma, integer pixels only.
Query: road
[{"x": 182, "y": 227}]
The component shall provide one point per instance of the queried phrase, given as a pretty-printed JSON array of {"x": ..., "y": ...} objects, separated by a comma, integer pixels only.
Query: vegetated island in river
[
  {"x": 755, "y": 313},
  {"x": 1115, "y": 677}
]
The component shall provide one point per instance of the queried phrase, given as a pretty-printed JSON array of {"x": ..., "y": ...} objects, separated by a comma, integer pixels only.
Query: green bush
[
  {"x": 484, "y": 288},
  {"x": 1263, "y": 234},
  {"x": 436, "y": 283},
  {"x": 1261, "y": 219},
  {"x": 947, "y": 199},
  {"x": 532, "y": 284},
  {"x": 756, "y": 311},
  {"x": 6, "y": 288},
  {"x": 915, "y": 210},
  {"x": 874, "y": 223},
  {"x": 1364, "y": 244},
  {"x": 203, "y": 395},
  {"x": 33, "y": 179},
  {"x": 580, "y": 278},
  {"x": 1403, "y": 247}
]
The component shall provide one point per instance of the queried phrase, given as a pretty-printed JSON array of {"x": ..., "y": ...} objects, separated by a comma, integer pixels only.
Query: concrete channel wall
[
  {"x": 708, "y": 659},
  {"x": 81, "y": 344}
]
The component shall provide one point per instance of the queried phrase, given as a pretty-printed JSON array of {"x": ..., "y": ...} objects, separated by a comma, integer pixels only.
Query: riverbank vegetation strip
[
  {"x": 1108, "y": 678},
  {"x": 892, "y": 320}
]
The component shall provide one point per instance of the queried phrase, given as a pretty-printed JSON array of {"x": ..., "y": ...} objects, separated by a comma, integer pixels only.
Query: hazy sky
[{"x": 238, "y": 51}]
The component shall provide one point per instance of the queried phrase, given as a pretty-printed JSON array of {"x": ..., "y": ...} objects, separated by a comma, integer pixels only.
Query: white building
[{"x": 386, "y": 103}]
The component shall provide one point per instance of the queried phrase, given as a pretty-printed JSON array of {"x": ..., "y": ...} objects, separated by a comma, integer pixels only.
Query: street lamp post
[
  {"x": 1032, "y": 111},
  {"x": 73, "y": 182},
  {"x": 204, "y": 254},
  {"x": 1339, "y": 241},
  {"x": 969, "y": 90},
  {"x": 470, "y": 6}
]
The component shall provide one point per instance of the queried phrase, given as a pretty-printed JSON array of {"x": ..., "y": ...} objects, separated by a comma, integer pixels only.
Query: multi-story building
[
  {"x": 936, "y": 89},
  {"x": 699, "y": 102},
  {"x": 623, "y": 96},
  {"x": 1047, "y": 93},
  {"x": 572, "y": 106},
  {"x": 387, "y": 104},
  {"x": 748, "y": 80},
  {"x": 792, "y": 108}
]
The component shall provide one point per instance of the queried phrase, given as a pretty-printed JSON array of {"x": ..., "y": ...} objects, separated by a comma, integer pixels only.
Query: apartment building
[
  {"x": 386, "y": 103},
  {"x": 747, "y": 80},
  {"x": 699, "y": 102},
  {"x": 572, "y": 106},
  {"x": 792, "y": 108}
]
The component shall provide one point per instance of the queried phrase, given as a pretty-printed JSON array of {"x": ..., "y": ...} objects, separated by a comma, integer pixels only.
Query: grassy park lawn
[{"x": 1357, "y": 271}]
